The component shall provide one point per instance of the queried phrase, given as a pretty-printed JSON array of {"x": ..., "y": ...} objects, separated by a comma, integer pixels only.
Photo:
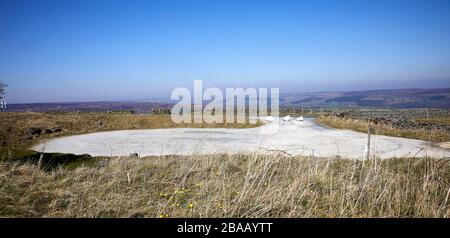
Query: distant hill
[
  {"x": 137, "y": 107},
  {"x": 393, "y": 98}
]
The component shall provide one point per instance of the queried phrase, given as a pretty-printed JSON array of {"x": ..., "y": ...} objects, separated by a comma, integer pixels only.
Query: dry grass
[
  {"x": 383, "y": 129},
  {"x": 439, "y": 120},
  {"x": 14, "y": 125},
  {"x": 274, "y": 185}
]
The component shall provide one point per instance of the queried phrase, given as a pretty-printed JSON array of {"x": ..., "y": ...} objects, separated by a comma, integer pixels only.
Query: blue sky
[{"x": 63, "y": 50}]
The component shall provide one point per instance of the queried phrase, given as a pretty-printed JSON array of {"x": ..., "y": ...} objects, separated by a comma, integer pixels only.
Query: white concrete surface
[{"x": 297, "y": 138}]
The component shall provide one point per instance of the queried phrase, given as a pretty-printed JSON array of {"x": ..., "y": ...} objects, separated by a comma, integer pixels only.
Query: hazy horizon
[
  {"x": 167, "y": 99},
  {"x": 80, "y": 51}
]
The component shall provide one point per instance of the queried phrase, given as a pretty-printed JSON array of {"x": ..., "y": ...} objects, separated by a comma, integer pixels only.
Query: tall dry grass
[
  {"x": 254, "y": 185},
  {"x": 383, "y": 129}
]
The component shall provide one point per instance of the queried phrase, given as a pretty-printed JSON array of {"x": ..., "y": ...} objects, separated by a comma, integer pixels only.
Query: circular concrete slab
[{"x": 295, "y": 137}]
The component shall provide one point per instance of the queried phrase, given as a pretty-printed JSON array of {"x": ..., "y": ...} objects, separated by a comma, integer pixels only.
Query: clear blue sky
[{"x": 63, "y": 50}]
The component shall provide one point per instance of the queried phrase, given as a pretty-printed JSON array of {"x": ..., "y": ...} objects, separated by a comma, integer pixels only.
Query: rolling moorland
[
  {"x": 391, "y": 99},
  {"x": 346, "y": 106},
  {"x": 276, "y": 184}
]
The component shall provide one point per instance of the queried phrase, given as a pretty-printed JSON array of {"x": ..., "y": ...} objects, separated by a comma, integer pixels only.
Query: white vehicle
[
  {"x": 287, "y": 118},
  {"x": 300, "y": 118},
  {"x": 269, "y": 119}
]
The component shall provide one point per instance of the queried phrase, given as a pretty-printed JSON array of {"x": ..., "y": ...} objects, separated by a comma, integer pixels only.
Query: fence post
[{"x": 368, "y": 143}]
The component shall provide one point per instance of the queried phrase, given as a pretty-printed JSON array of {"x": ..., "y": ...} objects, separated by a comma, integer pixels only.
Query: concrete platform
[{"x": 297, "y": 138}]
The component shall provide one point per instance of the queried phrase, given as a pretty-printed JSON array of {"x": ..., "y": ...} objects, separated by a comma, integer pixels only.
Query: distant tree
[{"x": 3, "y": 87}]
